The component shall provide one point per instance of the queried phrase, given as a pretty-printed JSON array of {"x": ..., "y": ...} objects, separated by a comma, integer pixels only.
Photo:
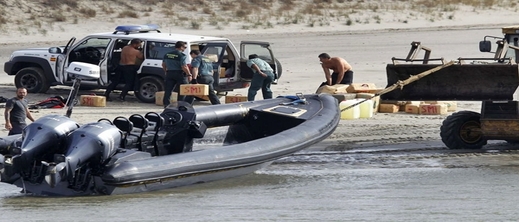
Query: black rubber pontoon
[{"x": 113, "y": 157}]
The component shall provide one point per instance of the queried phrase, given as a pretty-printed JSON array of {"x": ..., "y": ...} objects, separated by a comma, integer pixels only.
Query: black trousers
[
  {"x": 126, "y": 74},
  {"x": 174, "y": 78},
  {"x": 346, "y": 79},
  {"x": 116, "y": 79},
  {"x": 130, "y": 73},
  {"x": 17, "y": 128},
  {"x": 209, "y": 80}
]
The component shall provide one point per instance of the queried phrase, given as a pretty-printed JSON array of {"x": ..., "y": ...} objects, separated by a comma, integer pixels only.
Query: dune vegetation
[{"x": 26, "y": 15}]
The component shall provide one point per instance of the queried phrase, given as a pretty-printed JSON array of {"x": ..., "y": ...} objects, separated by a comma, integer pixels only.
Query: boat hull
[
  {"x": 173, "y": 181},
  {"x": 246, "y": 137},
  {"x": 186, "y": 179}
]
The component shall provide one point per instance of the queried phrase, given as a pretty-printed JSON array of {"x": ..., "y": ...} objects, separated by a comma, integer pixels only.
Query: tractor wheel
[{"x": 462, "y": 130}]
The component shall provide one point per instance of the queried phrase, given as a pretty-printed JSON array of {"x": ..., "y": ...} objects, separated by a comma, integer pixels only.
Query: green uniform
[
  {"x": 175, "y": 76},
  {"x": 258, "y": 81},
  {"x": 174, "y": 60},
  {"x": 262, "y": 65},
  {"x": 203, "y": 64}
]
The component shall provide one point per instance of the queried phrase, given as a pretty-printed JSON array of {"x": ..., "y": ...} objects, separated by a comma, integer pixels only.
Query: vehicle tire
[
  {"x": 148, "y": 86},
  {"x": 279, "y": 68},
  {"x": 462, "y": 130},
  {"x": 33, "y": 79}
]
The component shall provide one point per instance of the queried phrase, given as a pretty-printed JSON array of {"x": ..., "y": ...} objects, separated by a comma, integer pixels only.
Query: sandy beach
[
  {"x": 391, "y": 167},
  {"x": 368, "y": 47}
]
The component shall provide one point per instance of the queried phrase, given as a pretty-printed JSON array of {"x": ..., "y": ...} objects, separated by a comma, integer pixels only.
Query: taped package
[
  {"x": 235, "y": 99},
  {"x": 159, "y": 97},
  {"x": 334, "y": 89},
  {"x": 194, "y": 90},
  {"x": 92, "y": 100}
]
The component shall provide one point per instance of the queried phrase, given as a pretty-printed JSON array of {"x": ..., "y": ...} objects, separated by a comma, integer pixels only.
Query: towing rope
[{"x": 401, "y": 83}]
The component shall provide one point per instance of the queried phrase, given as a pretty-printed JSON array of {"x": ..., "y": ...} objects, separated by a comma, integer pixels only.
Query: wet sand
[{"x": 391, "y": 167}]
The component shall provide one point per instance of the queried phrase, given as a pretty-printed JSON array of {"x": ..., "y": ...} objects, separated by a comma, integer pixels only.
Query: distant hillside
[{"x": 26, "y": 16}]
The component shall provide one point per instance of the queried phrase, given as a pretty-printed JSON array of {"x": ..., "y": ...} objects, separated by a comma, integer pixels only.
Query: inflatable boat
[{"x": 182, "y": 145}]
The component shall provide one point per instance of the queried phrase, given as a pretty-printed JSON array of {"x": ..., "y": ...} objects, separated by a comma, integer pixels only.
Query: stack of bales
[{"x": 348, "y": 95}]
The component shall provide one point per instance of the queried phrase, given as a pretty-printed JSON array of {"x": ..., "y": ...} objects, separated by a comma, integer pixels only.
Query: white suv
[{"x": 38, "y": 69}]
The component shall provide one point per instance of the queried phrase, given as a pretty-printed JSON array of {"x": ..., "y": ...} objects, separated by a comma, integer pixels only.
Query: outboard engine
[
  {"x": 40, "y": 140},
  {"x": 92, "y": 143},
  {"x": 6, "y": 144},
  {"x": 181, "y": 127}
]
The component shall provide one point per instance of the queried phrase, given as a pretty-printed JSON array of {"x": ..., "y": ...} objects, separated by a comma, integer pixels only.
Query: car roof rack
[{"x": 127, "y": 29}]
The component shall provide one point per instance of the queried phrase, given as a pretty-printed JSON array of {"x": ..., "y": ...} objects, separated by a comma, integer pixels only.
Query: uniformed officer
[
  {"x": 262, "y": 78},
  {"x": 177, "y": 72},
  {"x": 202, "y": 70}
]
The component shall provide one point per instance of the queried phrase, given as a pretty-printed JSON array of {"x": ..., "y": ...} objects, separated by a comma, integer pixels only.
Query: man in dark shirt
[
  {"x": 16, "y": 110},
  {"x": 175, "y": 66}
]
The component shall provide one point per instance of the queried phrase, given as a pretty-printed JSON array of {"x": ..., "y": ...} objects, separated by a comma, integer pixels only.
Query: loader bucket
[{"x": 469, "y": 82}]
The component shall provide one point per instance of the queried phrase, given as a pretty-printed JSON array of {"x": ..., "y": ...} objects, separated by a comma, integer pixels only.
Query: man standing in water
[
  {"x": 16, "y": 110},
  {"x": 342, "y": 70}
]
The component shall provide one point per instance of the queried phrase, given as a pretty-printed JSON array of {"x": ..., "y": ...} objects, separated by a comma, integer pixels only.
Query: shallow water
[
  {"x": 429, "y": 185},
  {"x": 368, "y": 184}
]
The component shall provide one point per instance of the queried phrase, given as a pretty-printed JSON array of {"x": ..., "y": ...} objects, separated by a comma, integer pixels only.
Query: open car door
[
  {"x": 104, "y": 65},
  {"x": 90, "y": 50},
  {"x": 61, "y": 74},
  {"x": 262, "y": 49},
  {"x": 215, "y": 51}
]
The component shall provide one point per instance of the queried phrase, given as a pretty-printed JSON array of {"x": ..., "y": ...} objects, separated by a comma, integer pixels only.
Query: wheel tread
[
  {"x": 44, "y": 83},
  {"x": 449, "y": 131}
]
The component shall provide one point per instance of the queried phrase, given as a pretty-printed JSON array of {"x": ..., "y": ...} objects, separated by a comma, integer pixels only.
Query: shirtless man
[
  {"x": 342, "y": 73},
  {"x": 130, "y": 54},
  {"x": 131, "y": 59}
]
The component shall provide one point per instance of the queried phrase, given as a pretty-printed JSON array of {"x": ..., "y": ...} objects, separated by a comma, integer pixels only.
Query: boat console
[{"x": 181, "y": 127}]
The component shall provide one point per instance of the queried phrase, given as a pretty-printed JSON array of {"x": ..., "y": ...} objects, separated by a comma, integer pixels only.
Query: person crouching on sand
[{"x": 342, "y": 70}]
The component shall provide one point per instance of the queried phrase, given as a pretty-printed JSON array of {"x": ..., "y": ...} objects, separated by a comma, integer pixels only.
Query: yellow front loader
[{"x": 492, "y": 81}]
